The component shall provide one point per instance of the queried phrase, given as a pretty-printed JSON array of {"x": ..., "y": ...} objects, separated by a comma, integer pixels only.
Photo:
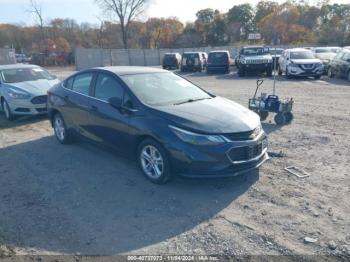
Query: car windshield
[
  {"x": 218, "y": 57},
  {"x": 25, "y": 74},
  {"x": 323, "y": 50},
  {"x": 159, "y": 89},
  {"x": 301, "y": 55},
  {"x": 192, "y": 55},
  {"x": 252, "y": 51}
]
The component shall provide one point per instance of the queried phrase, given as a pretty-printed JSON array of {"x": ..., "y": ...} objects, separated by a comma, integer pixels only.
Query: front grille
[
  {"x": 245, "y": 153},
  {"x": 257, "y": 61},
  {"x": 22, "y": 110},
  {"x": 41, "y": 110},
  {"x": 39, "y": 100},
  {"x": 243, "y": 136},
  {"x": 307, "y": 66}
]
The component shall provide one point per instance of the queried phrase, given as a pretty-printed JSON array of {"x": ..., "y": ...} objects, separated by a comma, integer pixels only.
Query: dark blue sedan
[{"x": 169, "y": 124}]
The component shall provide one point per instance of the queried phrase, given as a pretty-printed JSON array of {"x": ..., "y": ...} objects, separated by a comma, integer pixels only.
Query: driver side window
[{"x": 106, "y": 87}]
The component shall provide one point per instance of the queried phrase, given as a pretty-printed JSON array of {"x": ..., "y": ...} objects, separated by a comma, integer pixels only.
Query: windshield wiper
[{"x": 191, "y": 100}]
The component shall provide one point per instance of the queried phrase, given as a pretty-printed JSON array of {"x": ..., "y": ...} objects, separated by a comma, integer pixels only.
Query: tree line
[{"x": 289, "y": 23}]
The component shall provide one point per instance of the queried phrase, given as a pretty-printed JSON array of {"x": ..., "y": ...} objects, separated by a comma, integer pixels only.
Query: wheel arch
[{"x": 52, "y": 113}]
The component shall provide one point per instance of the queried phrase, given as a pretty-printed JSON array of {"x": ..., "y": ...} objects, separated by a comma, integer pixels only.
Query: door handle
[{"x": 93, "y": 109}]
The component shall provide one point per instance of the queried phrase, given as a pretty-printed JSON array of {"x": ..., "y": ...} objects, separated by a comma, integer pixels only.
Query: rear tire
[
  {"x": 349, "y": 76},
  {"x": 280, "y": 119},
  {"x": 269, "y": 72},
  {"x": 61, "y": 132},
  {"x": 289, "y": 117},
  {"x": 7, "y": 110},
  {"x": 153, "y": 161}
]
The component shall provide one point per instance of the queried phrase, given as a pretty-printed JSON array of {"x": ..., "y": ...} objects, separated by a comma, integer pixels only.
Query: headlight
[
  {"x": 294, "y": 65},
  {"x": 319, "y": 65},
  {"x": 197, "y": 139},
  {"x": 17, "y": 95},
  {"x": 269, "y": 60},
  {"x": 243, "y": 62},
  {"x": 326, "y": 61}
]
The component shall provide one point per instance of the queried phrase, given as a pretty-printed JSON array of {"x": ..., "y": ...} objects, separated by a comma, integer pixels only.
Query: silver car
[{"x": 23, "y": 89}]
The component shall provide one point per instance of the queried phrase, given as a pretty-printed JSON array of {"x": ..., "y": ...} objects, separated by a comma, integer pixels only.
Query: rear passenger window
[
  {"x": 107, "y": 87},
  {"x": 82, "y": 83}
]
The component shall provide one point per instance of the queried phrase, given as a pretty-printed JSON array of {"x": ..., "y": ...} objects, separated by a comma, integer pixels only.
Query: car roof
[
  {"x": 219, "y": 51},
  {"x": 17, "y": 66},
  {"x": 253, "y": 46},
  {"x": 131, "y": 70},
  {"x": 298, "y": 49}
]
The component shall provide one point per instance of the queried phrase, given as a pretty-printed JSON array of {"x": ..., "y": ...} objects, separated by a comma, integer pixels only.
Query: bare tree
[
  {"x": 125, "y": 10},
  {"x": 36, "y": 10}
]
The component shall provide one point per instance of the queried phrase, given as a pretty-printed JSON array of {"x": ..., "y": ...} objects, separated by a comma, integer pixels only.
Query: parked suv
[
  {"x": 254, "y": 59},
  {"x": 340, "y": 65},
  {"x": 171, "y": 60},
  {"x": 193, "y": 61},
  {"x": 300, "y": 62},
  {"x": 219, "y": 61}
]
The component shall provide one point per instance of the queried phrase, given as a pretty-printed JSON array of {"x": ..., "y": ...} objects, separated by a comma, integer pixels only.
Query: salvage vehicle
[
  {"x": 340, "y": 65},
  {"x": 325, "y": 54},
  {"x": 169, "y": 124},
  {"x": 171, "y": 61},
  {"x": 300, "y": 62},
  {"x": 23, "y": 89},
  {"x": 254, "y": 59},
  {"x": 193, "y": 61},
  {"x": 219, "y": 61}
]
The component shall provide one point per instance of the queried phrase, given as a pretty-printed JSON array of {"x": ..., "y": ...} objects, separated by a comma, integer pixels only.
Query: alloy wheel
[
  {"x": 59, "y": 128},
  {"x": 152, "y": 162}
]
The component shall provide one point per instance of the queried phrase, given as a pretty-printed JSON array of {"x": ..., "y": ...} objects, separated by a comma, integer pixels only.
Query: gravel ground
[{"x": 80, "y": 199}]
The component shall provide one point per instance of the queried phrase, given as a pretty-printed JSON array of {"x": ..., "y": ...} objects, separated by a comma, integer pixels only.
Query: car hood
[
  {"x": 211, "y": 116},
  {"x": 326, "y": 56},
  {"x": 306, "y": 61},
  {"x": 35, "y": 88}
]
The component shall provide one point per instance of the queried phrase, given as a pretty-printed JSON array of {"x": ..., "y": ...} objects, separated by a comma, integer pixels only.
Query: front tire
[
  {"x": 60, "y": 129},
  {"x": 241, "y": 72},
  {"x": 153, "y": 161},
  {"x": 349, "y": 76},
  {"x": 330, "y": 73},
  {"x": 7, "y": 110}
]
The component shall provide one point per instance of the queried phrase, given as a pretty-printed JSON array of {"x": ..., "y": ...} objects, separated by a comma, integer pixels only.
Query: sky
[{"x": 16, "y": 11}]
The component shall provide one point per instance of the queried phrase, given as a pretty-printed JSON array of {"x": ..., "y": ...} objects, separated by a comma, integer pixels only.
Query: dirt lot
[{"x": 80, "y": 199}]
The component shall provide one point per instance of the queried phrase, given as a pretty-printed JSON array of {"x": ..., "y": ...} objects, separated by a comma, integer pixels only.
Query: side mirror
[{"x": 116, "y": 102}]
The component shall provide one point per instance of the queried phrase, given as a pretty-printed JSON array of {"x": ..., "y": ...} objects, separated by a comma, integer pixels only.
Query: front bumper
[
  {"x": 26, "y": 107},
  {"x": 256, "y": 67},
  {"x": 226, "y": 160},
  {"x": 218, "y": 68},
  {"x": 297, "y": 71}
]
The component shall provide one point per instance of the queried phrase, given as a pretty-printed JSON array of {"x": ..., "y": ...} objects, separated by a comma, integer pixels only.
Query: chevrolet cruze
[{"x": 169, "y": 124}]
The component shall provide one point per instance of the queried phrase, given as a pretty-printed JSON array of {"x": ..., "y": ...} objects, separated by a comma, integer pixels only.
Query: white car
[
  {"x": 300, "y": 62},
  {"x": 23, "y": 89},
  {"x": 325, "y": 54}
]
